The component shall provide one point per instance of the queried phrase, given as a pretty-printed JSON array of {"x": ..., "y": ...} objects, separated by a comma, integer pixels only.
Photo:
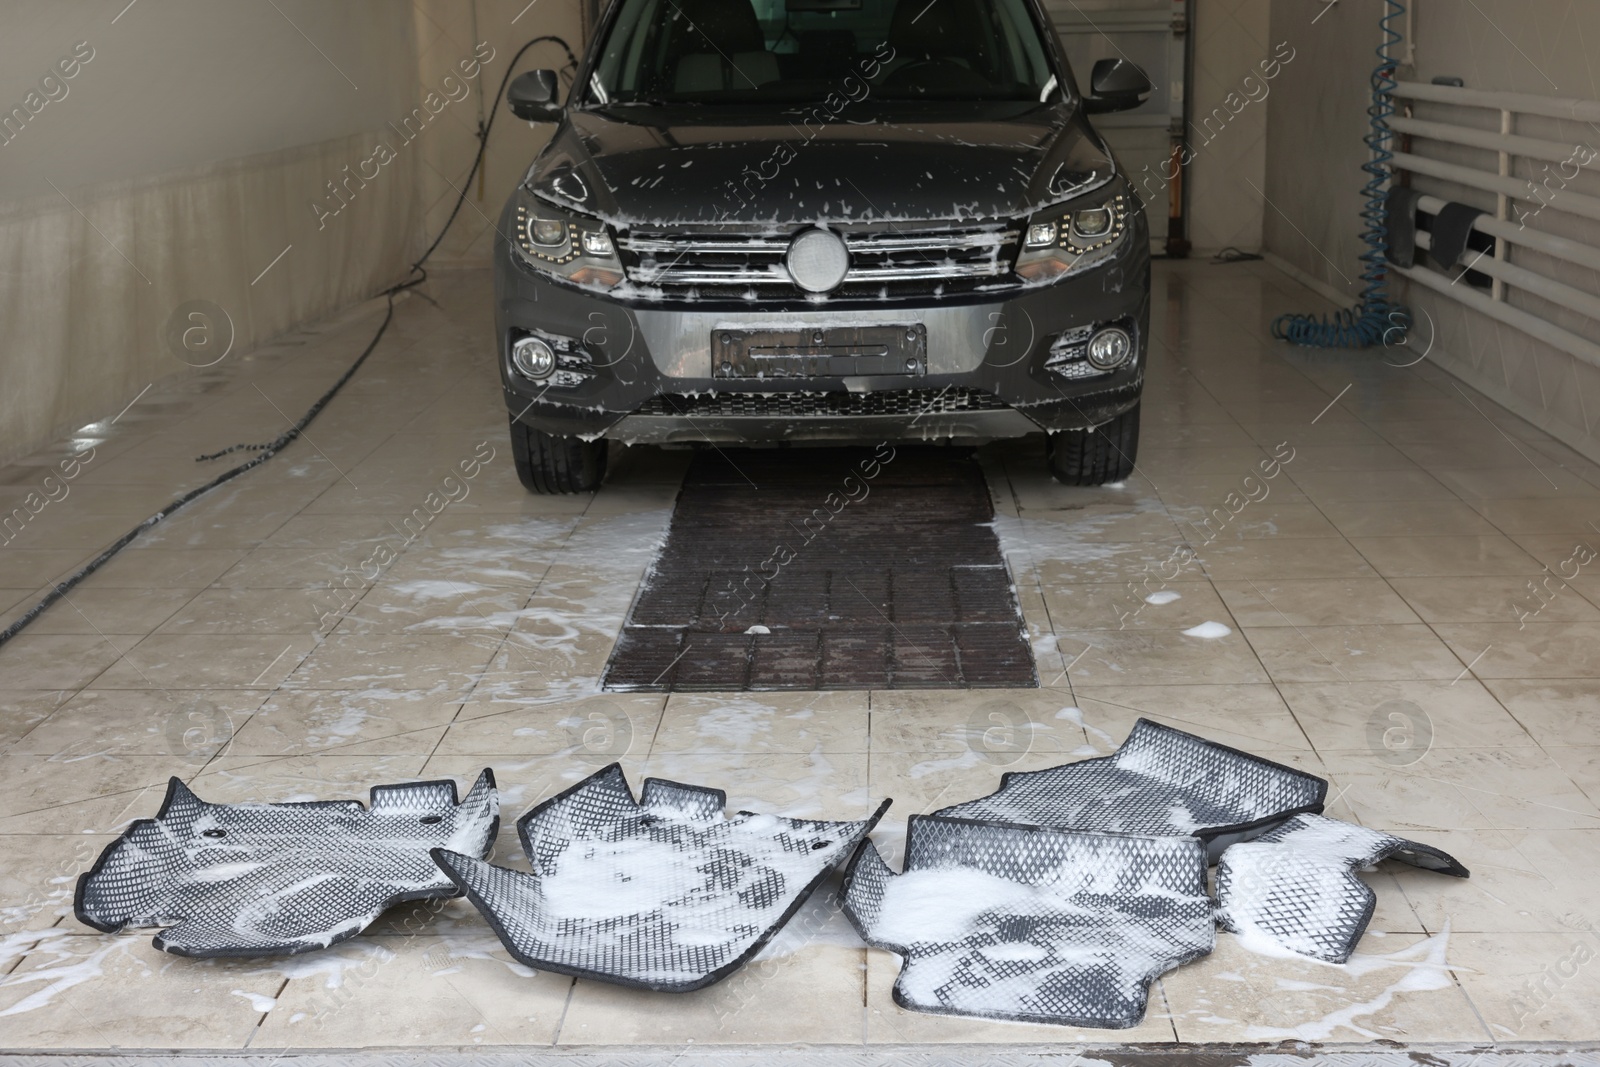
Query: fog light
[
  {"x": 533, "y": 358},
  {"x": 1110, "y": 347},
  {"x": 598, "y": 244},
  {"x": 1093, "y": 222},
  {"x": 1041, "y": 235}
]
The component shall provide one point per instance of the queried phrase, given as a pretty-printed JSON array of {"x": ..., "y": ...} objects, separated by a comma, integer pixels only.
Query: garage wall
[
  {"x": 1316, "y": 119},
  {"x": 447, "y": 31},
  {"x": 1228, "y": 132},
  {"x": 169, "y": 151},
  {"x": 1530, "y": 46}
]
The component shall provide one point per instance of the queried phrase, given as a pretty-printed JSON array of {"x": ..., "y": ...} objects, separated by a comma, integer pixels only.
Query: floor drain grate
[{"x": 827, "y": 569}]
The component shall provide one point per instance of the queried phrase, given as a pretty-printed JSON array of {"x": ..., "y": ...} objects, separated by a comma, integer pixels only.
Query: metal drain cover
[
  {"x": 662, "y": 893},
  {"x": 278, "y": 879},
  {"x": 1297, "y": 887},
  {"x": 828, "y": 568},
  {"x": 1033, "y": 925},
  {"x": 1160, "y": 782}
]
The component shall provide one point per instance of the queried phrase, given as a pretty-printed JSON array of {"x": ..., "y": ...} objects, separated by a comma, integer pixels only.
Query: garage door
[{"x": 1153, "y": 34}]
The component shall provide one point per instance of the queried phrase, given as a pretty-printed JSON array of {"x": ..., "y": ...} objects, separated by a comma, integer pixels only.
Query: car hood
[{"x": 660, "y": 167}]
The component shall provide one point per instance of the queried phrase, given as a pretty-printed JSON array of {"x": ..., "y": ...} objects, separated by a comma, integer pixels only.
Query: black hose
[{"x": 266, "y": 451}]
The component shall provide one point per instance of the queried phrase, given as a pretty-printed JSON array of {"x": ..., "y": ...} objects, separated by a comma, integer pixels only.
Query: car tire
[
  {"x": 1095, "y": 457},
  {"x": 549, "y": 465}
]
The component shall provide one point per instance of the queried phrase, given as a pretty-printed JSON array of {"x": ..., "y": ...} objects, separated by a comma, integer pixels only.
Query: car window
[{"x": 745, "y": 51}]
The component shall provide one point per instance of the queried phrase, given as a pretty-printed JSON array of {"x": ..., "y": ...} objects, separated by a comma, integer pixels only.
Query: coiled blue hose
[{"x": 1376, "y": 320}]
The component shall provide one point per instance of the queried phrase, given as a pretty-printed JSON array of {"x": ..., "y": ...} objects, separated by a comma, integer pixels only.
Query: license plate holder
[{"x": 820, "y": 352}]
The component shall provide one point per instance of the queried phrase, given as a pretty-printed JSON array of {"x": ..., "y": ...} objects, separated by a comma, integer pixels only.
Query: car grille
[
  {"x": 823, "y": 405},
  {"x": 906, "y": 261}
]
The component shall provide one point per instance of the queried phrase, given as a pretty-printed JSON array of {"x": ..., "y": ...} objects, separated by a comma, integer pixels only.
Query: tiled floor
[{"x": 259, "y": 646}]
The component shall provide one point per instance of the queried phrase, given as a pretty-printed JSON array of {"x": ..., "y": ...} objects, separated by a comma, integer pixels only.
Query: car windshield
[{"x": 751, "y": 51}]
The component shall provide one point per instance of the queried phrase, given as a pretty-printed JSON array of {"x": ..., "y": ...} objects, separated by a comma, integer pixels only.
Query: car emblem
[{"x": 817, "y": 261}]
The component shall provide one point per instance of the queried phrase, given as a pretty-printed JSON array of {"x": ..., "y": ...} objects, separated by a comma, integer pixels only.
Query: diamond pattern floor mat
[
  {"x": 830, "y": 568},
  {"x": 663, "y": 893},
  {"x": 1032, "y": 925},
  {"x": 1296, "y": 886},
  {"x": 279, "y": 879},
  {"x": 1161, "y": 781}
]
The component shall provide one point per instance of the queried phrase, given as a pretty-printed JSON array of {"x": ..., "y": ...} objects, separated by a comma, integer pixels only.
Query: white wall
[
  {"x": 1530, "y": 46},
  {"x": 175, "y": 165}
]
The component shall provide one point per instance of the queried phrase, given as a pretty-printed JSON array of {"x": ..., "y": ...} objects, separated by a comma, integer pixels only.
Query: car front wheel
[
  {"x": 550, "y": 464},
  {"x": 1099, "y": 455}
]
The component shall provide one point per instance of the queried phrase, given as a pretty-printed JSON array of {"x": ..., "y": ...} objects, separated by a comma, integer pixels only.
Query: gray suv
[{"x": 822, "y": 221}]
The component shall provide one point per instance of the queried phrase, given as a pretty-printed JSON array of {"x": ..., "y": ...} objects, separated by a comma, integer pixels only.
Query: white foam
[{"x": 1208, "y": 630}]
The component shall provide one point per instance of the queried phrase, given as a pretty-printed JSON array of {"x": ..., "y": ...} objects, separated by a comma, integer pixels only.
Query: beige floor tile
[
  {"x": 59, "y": 661},
  {"x": 187, "y": 725},
  {"x": 1386, "y": 518},
  {"x": 1157, "y": 657},
  {"x": 1495, "y": 599},
  {"x": 1521, "y": 880},
  {"x": 94, "y": 989},
  {"x": 994, "y": 727},
  {"x": 446, "y": 667},
  {"x": 1401, "y": 989},
  {"x": 38, "y": 790},
  {"x": 243, "y": 779},
  {"x": 1536, "y": 649},
  {"x": 297, "y": 568},
  {"x": 1308, "y": 557},
  {"x": 1556, "y": 515},
  {"x": 1453, "y": 789},
  {"x": 1532, "y": 986},
  {"x": 206, "y": 661},
  {"x": 1151, "y": 604},
  {"x": 1092, "y": 523},
  {"x": 23, "y": 709},
  {"x": 1399, "y": 721},
  {"x": 1328, "y": 486},
  {"x": 434, "y": 606},
  {"x": 591, "y": 729},
  {"x": 764, "y": 722},
  {"x": 887, "y": 1023},
  {"x": 1059, "y": 562},
  {"x": 377, "y": 721},
  {"x": 1557, "y": 712},
  {"x": 459, "y": 991},
  {"x": 812, "y": 996},
  {"x": 38, "y": 876},
  {"x": 1249, "y": 717},
  {"x": 261, "y": 611},
  {"x": 1159, "y": 464},
  {"x": 159, "y": 568},
  {"x": 1526, "y": 483},
  {"x": 29, "y": 568},
  {"x": 1315, "y": 602},
  {"x": 1254, "y": 521},
  {"x": 1210, "y": 491},
  {"x": 93, "y": 609},
  {"x": 1353, "y": 653},
  {"x": 1427, "y": 557}
]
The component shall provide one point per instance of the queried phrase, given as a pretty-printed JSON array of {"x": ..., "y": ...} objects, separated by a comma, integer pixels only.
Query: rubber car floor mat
[
  {"x": 280, "y": 879},
  {"x": 662, "y": 893},
  {"x": 1161, "y": 782},
  {"x": 1297, "y": 887},
  {"x": 1042, "y": 926}
]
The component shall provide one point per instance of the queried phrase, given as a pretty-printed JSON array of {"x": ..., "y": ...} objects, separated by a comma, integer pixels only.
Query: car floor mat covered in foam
[
  {"x": 1161, "y": 782},
  {"x": 1032, "y": 925},
  {"x": 1296, "y": 886},
  {"x": 279, "y": 879},
  {"x": 663, "y": 893}
]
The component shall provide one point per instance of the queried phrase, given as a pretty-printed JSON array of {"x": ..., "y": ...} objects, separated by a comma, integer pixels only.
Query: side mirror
[
  {"x": 535, "y": 96},
  {"x": 1116, "y": 85}
]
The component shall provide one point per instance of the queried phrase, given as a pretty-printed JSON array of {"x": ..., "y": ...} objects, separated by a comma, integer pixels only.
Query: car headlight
[
  {"x": 1074, "y": 236},
  {"x": 566, "y": 246}
]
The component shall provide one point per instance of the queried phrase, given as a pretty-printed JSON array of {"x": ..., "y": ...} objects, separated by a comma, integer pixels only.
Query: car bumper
[{"x": 645, "y": 374}]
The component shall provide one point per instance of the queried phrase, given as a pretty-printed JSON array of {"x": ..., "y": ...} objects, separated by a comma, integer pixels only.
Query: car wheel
[
  {"x": 1095, "y": 457},
  {"x": 550, "y": 464}
]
